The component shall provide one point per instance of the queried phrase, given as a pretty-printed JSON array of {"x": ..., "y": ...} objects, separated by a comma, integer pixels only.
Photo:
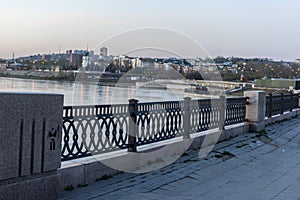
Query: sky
[{"x": 256, "y": 28}]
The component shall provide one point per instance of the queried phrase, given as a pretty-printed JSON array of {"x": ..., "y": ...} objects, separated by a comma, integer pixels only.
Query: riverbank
[
  {"x": 90, "y": 78},
  {"x": 40, "y": 75}
]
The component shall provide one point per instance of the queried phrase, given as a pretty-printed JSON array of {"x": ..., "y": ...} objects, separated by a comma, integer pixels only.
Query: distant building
[
  {"x": 86, "y": 61},
  {"x": 91, "y": 53},
  {"x": 103, "y": 52},
  {"x": 16, "y": 66},
  {"x": 3, "y": 66},
  {"x": 76, "y": 60},
  {"x": 69, "y": 52},
  {"x": 46, "y": 57},
  {"x": 81, "y": 52},
  {"x": 136, "y": 62}
]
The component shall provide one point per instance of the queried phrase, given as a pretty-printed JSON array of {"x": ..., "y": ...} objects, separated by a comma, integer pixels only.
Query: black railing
[
  {"x": 205, "y": 114},
  {"x": 158, "y": 121},
  {"x": 280, "y": 103},
  {"x": 236, "y": 111},
  {"x": 92, "y": 130}
]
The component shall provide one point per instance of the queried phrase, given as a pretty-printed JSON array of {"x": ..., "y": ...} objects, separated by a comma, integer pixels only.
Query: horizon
[
  {"x": 240, "y": 29},
  {"x": 135, "y": 56}
]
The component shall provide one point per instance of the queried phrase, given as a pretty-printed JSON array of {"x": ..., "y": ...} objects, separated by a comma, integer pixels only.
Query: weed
[
  {"x": 240, "y": 146},
  {"x": 184, "y": 154},
  {"x": 262, "y": 132},
  {"x": 218, "y": 156},
  {"x": 69, "y": 188},
  {"x": 104, "y": 177},
  {"x": 227, "y": 153},
  {"x": 82, "y": 185}
]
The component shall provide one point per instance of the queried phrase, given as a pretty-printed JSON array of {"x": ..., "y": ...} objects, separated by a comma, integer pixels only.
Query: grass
[{"x": 104, "y": 177}]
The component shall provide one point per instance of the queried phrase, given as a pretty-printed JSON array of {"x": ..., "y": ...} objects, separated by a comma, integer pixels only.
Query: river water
[{"x": 80, "y": 93}]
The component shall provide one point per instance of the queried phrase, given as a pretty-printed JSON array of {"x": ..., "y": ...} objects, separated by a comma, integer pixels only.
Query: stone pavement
[{"x": 250, "y": 166}]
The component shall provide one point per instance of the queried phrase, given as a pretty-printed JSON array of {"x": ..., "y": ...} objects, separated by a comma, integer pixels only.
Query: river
[{"x": 79, "y": 93}]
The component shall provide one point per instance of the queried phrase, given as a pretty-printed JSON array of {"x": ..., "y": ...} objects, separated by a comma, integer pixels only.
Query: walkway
[{"x": 250, "y": 166}]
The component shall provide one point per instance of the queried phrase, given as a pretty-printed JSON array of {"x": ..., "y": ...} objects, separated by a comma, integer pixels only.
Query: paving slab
[{"x": 262, "y": 166}]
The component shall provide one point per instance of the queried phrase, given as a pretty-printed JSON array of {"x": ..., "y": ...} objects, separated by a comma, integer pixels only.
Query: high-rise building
[
  {"x": 76, "y": 60},
  {"x": 86, "y": 61},
  {"x": 103, "y": 52}
]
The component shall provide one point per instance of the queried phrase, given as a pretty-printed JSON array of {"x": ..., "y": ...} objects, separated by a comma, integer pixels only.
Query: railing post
[
  {"x": 187, "y": 118},
  {"x": 132, "y": 133},
  {"x": 282, "y": 102},
  {"x": 222, "y": 113},
  {"x": 255, "y": 110},
  {"x": 270, "y": 107},
  {"x": 291, "y": 103}
]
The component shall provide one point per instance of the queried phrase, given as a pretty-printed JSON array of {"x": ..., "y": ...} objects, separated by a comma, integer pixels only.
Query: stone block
[
  {"x": 71, "y": 174},
  {"x": 235, "y": 131},
  {"x": 257, "y": 127},
  {"x": 30, "y": 125},
  {"x": 96, "y": 170},
  {"x": 38, "y": 188},
  {"x": 197, "y": 142},
  {"x": 255, "y": 110}
]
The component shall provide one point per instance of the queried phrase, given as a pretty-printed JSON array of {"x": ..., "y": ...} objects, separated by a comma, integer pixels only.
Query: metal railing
[
  {"x": 280, "y": 103},
  {"x": 92, "y": 130}
]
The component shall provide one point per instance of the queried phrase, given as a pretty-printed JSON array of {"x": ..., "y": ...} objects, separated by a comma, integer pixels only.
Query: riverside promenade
[{"x": 252, "y": 166}]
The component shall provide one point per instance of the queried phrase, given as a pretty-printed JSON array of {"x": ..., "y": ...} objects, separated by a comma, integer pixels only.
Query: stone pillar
[
  {"x": 133, "y": 129},
  {"x": 30, "y": 131},
  {"x": 255, "y": 110},
  {"x": 187, "y": 118}
]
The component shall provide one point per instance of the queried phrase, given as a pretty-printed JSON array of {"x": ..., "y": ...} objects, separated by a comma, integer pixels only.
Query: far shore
[{"x": 39, "y": 75}]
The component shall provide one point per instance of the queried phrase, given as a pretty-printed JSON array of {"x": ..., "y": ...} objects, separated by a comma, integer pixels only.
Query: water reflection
[
  {"x": 88, "y": 94},
  {"x": 32, "y": 86}
]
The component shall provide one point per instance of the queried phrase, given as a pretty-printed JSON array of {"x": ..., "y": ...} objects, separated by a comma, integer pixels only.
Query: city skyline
[{"x": 232, "y": 28}]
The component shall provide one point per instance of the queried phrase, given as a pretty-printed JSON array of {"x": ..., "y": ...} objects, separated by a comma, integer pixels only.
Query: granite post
[
  {"x": 255, "y": 110},
  {"x": 30, "y": 130}
]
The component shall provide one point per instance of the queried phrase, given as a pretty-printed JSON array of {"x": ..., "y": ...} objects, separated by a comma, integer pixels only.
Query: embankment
[{"x": 43, "y": 75}]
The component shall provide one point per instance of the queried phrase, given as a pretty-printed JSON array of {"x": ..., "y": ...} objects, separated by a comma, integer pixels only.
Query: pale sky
[{"x": 252, "y": 28}]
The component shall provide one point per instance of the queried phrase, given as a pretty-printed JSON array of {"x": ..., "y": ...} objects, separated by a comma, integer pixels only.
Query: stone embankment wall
[{"x": 48, "y": 75}]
